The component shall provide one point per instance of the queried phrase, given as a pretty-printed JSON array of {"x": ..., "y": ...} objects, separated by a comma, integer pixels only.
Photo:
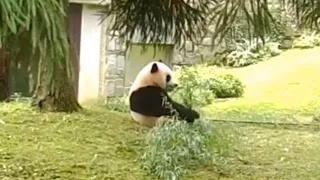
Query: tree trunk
[{"x": 54, "y": 91}]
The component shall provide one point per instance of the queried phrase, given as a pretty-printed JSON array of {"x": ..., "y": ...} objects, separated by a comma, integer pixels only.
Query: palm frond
[
  {"x": 158, "y": 20},
  {"x": 255, "y": 12},
  {"x": 35, "y": 26},
  {"x": 307, "y": 12}
]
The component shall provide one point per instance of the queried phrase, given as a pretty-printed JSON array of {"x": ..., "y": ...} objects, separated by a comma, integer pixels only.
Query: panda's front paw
[{"x": 195, "y": 114}]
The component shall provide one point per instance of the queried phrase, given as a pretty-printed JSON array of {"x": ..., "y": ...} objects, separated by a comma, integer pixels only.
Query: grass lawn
[
  {"x": 283, "y": 89},
  {"x": 93, "y": 144},
  {"x": 98, "y": 144}
]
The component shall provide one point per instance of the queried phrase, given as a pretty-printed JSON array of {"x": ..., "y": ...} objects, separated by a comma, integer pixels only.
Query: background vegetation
[{"x": 256, "y": 120}]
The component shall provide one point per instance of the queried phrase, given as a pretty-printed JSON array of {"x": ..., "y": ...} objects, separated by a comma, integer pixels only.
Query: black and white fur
[{"x": 147, "y": 94}]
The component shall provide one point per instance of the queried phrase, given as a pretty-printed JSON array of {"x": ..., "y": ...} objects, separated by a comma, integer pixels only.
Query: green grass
[
  {"x": 93, "y": 144},
  {"x": 99, "y": 144},
  {"x": 283, "y": 89}
]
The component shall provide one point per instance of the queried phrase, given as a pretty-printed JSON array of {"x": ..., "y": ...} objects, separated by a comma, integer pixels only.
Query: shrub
[
  {"x": 243, "y": 55},
  {"x": 269, "y": 50},
  {"x": 117, "y": 104},
  {"x": 176, "y": 146},
  {"x": 226, "y": 86},
  {"x": 193, "y": 89},
  {"x": 247, "y": 53},
  {"x": 196, "y": 90},
  {"x": 308, "y": 39}
]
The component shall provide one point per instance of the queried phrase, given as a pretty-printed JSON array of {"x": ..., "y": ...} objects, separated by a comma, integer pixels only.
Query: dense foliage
[
  {"x": 199, "y": 89},
  {"x": 35, "y": 32},
  {"x": 35, "y": 27},
  {"x": 176, "y": 146},
  {"x": 247, "y": 53}
]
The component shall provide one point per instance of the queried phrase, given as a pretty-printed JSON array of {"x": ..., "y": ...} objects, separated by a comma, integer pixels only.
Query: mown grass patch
[
  {"x": 97, "y": 143},
  {"x": 279, "y": 90},
  {"x": 93, "y": 144}
]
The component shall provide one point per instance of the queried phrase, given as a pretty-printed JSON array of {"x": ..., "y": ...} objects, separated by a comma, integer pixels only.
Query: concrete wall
[
  {"x": 89, "y": 54},
  {"x": 107, "y": 67}
]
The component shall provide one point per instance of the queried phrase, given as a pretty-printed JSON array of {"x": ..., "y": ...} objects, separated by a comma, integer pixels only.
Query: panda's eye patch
[{"x": 168, "y": 78}]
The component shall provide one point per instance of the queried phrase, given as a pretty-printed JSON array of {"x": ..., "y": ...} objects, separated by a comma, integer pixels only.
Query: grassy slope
[
  {"x": 285, "y": 88},
  {"x": 97, "y": 144}
]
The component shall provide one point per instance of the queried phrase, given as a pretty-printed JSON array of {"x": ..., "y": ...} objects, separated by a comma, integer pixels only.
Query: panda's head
[{"x": 155, "y": 73}]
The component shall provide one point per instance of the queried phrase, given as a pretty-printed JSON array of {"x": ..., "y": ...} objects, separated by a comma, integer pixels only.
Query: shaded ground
[{"x": 97, "y": 144}]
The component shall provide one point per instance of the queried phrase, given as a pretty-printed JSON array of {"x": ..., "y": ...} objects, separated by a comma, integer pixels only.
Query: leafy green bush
[
  {"x": 226, "y": 86},
  {"x": 200, "y": 90},
  {"x": 193, "y": 90},
  {"x": 308, "y": 39},
  {"x": 176, "y": 146},
  {"x": 269, "y": 50},
  {"x": 247, "y": 53},
  {"x": 117, "y": 104}
]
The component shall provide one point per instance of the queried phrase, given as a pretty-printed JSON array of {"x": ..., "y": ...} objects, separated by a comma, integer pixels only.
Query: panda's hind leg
[{"x": 148, "y": 121}]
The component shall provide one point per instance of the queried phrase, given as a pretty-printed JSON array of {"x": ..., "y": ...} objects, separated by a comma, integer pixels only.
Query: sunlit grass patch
[{"x": 288, "y": 91}]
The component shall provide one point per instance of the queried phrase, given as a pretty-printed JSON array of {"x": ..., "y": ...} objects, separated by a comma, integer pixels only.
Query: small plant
[
  {"x": 226, "y": 86},
  {"x": 270, "y": 49},
  {"x": 17, "y": 97},
  {"x": 176, "y": 146},
  {"x": 243, "y": 55},
  {"x": 247, "y": 53},
  {"x": 117, "y": 104},
  {"x": 202, "y": 90},
  {"x": 308, "y": 39},
  {"x": 193, "y": 89}
]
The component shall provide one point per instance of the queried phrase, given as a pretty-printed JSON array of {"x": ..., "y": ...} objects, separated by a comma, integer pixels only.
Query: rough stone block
[
  {"x": 120, "y": 61},
  {"x": 189, "y": 46},
  {"x": 120, "y": 72},
  {"x": 119, "y": 82},
  {"x": 114, "y": 32},
  {"x": 112, "y": 44},
  {"x": 178, "y": 58},
  {"x": 123, "y": 47},
  {"x": 119, "y": 91},
  {"x": 207, "y": 41},
  {"x": 110, "y": 87},
  {"x": 111, "y": 70},
  {"x": 112, "y": 59}
]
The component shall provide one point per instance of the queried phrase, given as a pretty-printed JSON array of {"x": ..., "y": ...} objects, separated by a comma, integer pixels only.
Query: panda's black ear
[
  {"x": 154, "y": 68},
  {"x": 160, "y": 60}
]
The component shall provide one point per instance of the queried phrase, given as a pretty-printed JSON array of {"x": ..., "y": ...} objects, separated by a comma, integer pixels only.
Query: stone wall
[
  {"x": 115, "y": 62},
  {"x": 200, "y": 52}
]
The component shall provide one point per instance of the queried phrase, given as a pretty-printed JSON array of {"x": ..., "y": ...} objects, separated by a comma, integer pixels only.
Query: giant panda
[{"x": 147, "y": 94}]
